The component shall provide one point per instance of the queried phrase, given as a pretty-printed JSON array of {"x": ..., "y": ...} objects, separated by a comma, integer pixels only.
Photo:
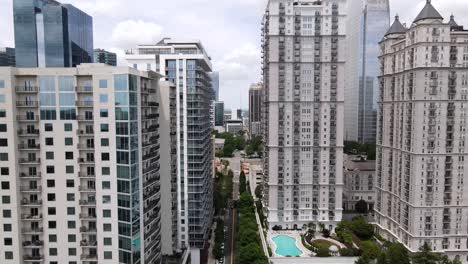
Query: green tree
[
  {"x": 363, "y": 260},
  {"x": 242, "y": 182},
  {"x": 397, "y": 253},
  {"x": 362, "y": 229},
  {"x": 362, "y": 207},
  {"x": 259, "y": 191},
  {"x": 370, "y": 250},
  {"x": 426, "y": 256},
  {"x": 382, "y": 259}
]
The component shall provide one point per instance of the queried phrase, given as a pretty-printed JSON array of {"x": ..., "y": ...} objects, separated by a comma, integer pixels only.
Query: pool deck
[{"x": 294, "y": 234}]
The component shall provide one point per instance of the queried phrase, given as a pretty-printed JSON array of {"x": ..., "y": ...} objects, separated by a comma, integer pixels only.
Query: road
[{"x": 235, "y": 166}]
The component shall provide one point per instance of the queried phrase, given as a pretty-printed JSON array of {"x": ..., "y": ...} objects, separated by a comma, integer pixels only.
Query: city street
[{"x": 235, "y": 166}]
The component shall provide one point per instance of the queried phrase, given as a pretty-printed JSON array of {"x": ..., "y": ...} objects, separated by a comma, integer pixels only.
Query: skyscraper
[
  {"x": 215, "y": 83},
  {"x": 368, "y": 20},
  {"x": 422, "y": 153},
  {"x": 106, "y": 57},
  {"x": 79, "y": 159},
  {"x": 219, "y": 113},
  {"x": 51, "y": 34},
  {"x": 7, "y": 57},
  {"x": 255, "y": 109},
  {"x": 187, "y": 65},
  {"x": 304, "y": 78}
]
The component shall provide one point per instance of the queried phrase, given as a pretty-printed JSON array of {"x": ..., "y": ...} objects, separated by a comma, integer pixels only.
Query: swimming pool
[{"x": 286, "y": 246}]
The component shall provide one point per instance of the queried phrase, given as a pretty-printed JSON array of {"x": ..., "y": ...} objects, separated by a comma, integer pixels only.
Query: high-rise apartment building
[
  {"x": 106, "y": 57},
  {"x": 422, "y": 155},
  {"x": 368, "y": 21},
  {"x": 304, "y": 70},
  {"x": 79, "y": 159},
  {"x": 255, "y": 109},
  {"x": 215, "y": 83},
  {"x": 7, "y": 57},
  {"x": 219, "y": 114},
  {"x": 187, "y": 65},
  {"x": 51, "y": 34}
]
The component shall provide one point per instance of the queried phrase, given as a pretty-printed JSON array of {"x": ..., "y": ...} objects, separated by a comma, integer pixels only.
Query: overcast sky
[{"x": 229, "y": 30}]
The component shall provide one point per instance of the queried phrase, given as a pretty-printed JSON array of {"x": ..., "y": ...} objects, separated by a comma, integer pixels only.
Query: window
[
  {"x": 102, "y": 83},
  {"x": 71, "y": 224},
  {"x": 3, "y": 156},
  {"x": 9, "y": 242},
  {"x": 69, "y": 155},
  {"x": 50, "y": 169},
  {"x": 104, "y": 127},
  {"x": 69, "y": 169},
  {"x": 49, "y": 141},
  {"x": 50, "y": 183},
  {"x": 8, "y": 255},
  {"x": 51, "y": 211},
  {"x": 2, "y": 113},
  {"x": 104, "y": 113},
  {"x": 7, "y": 228},
  {"x": 103, "y": 98},
  {"x": 6, "y": 213},
  {"x": 70, "y": 197},
  {"x": 48, "y": 127},
  {"x": 106, "y": 227},
  {"x": 68, "y": 141},
  {"x": 104, "y": 142},
  {"x": 3, "y": 142},
  {"x": 6, "y": 199},
  {"x": 72, "y": 238},
  {"x": 70, "y": 210},
  {"x": 2, "y": 98},
  {"x": 51, "y": 197},
  {"x": 106, "y": 213},
  {"x": 5, "y": 186},
  {"x": 49, "y": 155},
  {"x": 52, "y": 238},
  {"x": 105, "y": 171},
  {"x": 107, "y": 241},
  {"x": 106, "y": 199},
  {"x": 107, "y": 254},
  {"x": 52, "y": 225},
  {"x": 2, "y": 84},
  {"x": 52, "y": 252},
  {"x": 105, "y": 156},
  {"x": 106, "y": 185},
  {"x": 68, "y": 127},
  {"x": 72, "y": 251},
  {"x": 3, "y": 128},
  {"x": 70, "y": 183},
  {"x": 4, "y": 171}
]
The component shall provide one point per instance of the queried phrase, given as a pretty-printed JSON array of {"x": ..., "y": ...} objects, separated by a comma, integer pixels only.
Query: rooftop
[{"x": 428, "y": 12}]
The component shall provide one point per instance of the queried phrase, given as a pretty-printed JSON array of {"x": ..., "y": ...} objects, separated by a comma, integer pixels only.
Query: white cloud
[{"x": 129, "y": 33}]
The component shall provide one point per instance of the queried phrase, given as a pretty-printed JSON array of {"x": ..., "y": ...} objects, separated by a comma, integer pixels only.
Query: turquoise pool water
[{"x": 286, "y": 246}]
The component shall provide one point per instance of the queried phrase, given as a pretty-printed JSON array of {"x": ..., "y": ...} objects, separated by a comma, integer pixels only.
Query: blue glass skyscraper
[
  {"x": 50, "y": 34},
  {"x": 375, "y": 21}
]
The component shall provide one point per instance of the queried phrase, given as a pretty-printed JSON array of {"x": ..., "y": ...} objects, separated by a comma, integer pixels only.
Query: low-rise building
[
  {"x": 359, "y": 180},
  {"x": 219, "y": 144},
  {"x": 234, "y": 126}
]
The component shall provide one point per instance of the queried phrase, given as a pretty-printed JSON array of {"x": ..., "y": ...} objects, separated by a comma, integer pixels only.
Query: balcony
[
  {"x": 87, "y": 189},
  {"x": 86, "y": 175},
  {"x": 87, "y": 216},
  {"x": 29, "y": 146},
  {"x": 26, "y": 89},
  {"x": 27, "y": 118},
  {"x": 28, "y": 133},
  {"x": 35, "y": 203},
  {"x": 84, "y": 89},
  {"x": 30, "y": 189},
  {"x": 88, "y": 202},
  {"x": 86, "y": 243},
  {"x": 24, "y": 175},
  {"x": 85, "y": 229},
  {"x": 85, "y": 147},
  {"x": 86, "y": 161},
  {"x": 27, "y": 104},
  {"x": 34, "y": 258},
  {"x": 29, "y": 231},
  {"x": 88, "y": 257},
  {"x": 84, "y": 103},
  {"x": 85, "y": 132},
  {"x": 33, "y": 244},
  {"x": 29, "y": 161}
]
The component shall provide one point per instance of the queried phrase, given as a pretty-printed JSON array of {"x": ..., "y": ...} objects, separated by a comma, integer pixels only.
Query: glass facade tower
[
  {"x": 375, "y": 21},
  {"x": 49, "y": 34}
]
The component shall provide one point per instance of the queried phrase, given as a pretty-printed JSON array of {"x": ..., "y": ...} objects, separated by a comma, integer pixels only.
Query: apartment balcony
[
  {"x": 29, "y": 146},
  {"x": 33, "y": 244},
  {"x": 86, "y": 161},
  {"x": 84, "y": 89},
  {"x": 30, "y": 161},
  {"x": 86, "y": 175},
  {"x": 26, "y": 89},
  {"x": 32, "y": 231},
  {"x": 27, "y": 104},
  {"x": 85, "y": 229},
  {"x": 29, "y": 189},
  {"x": 24, "y": 175},
  {"x": 87, "y": 189},
  {"x": 28, "y": 133},
  {"x": 84, "y": 216},
  {"x": 29, "y": 203},
  {"x": 27, "y": 118},
  {"x": 85, "y": 133},
  {"x": 33, "y": 258},
  {"x": 86, "y": 243},
  {"x": 87, "y": 257},
  {"x": 84, "y": 103},
  {"x": 85, "y": 147}
]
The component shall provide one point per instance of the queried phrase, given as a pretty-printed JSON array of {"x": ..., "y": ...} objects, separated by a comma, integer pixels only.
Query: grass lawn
[{"x": 320, "y": 243}]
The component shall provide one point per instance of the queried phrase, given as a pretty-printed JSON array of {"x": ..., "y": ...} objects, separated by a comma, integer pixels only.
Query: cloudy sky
[{"x": 229, "y": 30}]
